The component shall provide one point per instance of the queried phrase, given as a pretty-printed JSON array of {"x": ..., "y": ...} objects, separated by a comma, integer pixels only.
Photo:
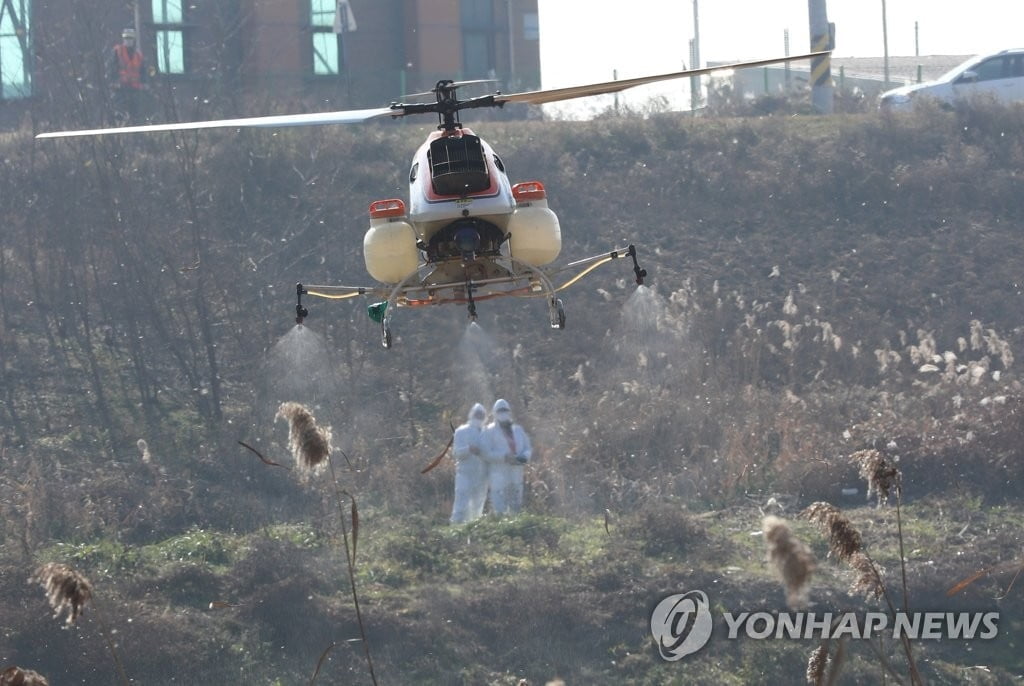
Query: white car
[{"x": 999, "y": 76}]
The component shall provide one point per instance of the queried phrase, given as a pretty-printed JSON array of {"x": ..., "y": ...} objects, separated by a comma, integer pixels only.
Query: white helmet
[{"x": 501, "y": 405}]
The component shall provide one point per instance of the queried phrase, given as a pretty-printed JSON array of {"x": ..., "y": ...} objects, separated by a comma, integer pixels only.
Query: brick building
[{"x": 247, "y": 57}]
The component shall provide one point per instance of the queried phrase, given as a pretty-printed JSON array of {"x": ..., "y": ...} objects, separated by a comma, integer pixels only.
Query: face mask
[
  {"x": 504, "y": 417},
  {"x": 476, "y": 421}
]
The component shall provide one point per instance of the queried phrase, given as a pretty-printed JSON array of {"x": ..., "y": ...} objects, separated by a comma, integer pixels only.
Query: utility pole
[
  {"x": 822, "y": 38},
  {"x": 511, "y": 48},
  {"x": 137, "y": 20},
  {"x": 785, "y": 46},
  {"x": 917, "y": 44},
  {"x": 615, "y": 77},
  {"x": 695, "y": 60},
  {"x": 885, "y": 45}
]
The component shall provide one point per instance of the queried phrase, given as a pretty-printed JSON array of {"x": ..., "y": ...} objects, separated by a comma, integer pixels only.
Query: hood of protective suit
[
  {"x": 477, "y": 415},
  {"x": 502, "y": 412}
]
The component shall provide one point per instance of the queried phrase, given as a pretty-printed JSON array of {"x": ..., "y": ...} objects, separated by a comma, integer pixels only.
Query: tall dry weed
[
  {"x": 881, "y": 476},
  {"x": 793, "y": 560},
  {"x": 309, "y": 442},
  {"x": 66, "y": 590},
  {"x": 16, "y": 676}
]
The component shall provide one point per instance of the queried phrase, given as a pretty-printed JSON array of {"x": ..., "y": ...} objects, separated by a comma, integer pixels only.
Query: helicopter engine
[
  {"x": 389, "y": 246},
  {"x": 534, "y": 234}
]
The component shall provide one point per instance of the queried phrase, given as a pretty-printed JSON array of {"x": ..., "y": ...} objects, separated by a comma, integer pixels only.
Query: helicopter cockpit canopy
[{"x": 458, "y": 166}]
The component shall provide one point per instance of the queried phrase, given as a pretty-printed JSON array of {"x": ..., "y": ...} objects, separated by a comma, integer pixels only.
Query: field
[{"x": 820, "y": 287}]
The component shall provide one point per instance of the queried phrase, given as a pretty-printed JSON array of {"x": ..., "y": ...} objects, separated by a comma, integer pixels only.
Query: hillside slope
[{"x": 818, "y": 286}]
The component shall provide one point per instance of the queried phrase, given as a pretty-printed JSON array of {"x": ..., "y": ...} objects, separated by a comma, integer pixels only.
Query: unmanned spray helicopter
[{"x": 467, "y": 233}]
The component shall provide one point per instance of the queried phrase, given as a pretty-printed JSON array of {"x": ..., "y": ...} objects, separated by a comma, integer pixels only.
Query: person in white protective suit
[
  {"x": 507, "y": 448},
  {"x": 470, "y": 468}
]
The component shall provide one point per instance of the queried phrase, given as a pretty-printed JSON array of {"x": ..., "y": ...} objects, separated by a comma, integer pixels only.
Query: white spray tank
[
  {"x": 389, "y": 246},
  {"x": 535, "y": 236}
]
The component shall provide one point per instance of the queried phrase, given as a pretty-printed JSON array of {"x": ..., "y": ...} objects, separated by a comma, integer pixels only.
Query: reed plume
[
  {"x": 69, "y": 590},
  {"x": 66, "y": 590},
  {"x": 816, "y": 665},
  {"x": 144, "y": 450},
  {"x": 309, "y": 443},
  {"x": 843, "y": 539},
  {"x": 868, "y": 581},
  {"x": 881, "y": 477},
  {"x": 792, "y": 559},
  {"x": 16, "y": 676}
]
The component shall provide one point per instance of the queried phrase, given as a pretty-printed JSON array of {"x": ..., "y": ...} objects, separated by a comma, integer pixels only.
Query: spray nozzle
[
  {"x": 471, "y": 304},
  {"x": 300, "y": 312},
  {"x": 641, "y": 274}
]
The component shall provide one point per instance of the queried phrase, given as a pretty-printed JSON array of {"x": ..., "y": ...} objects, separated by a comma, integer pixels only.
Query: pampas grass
[
  {"x": 66, "y": 590},
  {"x": 816, "y": 665},
  {"x": 881, "y": 477},
  {"x": 868, "y": 582},
  {"x": 846, "y": 544},
  {"x": 792, "y": 559},
  {"x": 16, "y": 676},
  {"x": 144, "y": 453},
  {"x": 309, "y": 443},
  {"x": 843, "y": 539}
]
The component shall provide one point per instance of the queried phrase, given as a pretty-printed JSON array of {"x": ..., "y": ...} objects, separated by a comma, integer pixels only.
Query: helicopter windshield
[{"x": 457, "y": 165}]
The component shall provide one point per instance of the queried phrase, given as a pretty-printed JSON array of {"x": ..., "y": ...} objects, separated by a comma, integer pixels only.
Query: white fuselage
[{"x": 430, "y": 211}]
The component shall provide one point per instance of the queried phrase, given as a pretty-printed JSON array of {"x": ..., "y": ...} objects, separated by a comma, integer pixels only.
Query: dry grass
[
  {"x": 844, "y": 541},
  {"x": 66, "y": 590},
  {"x": 816, "y": 665},
  {"x": 792, "y": 559},
  {"x": 16, "y": 676},
  {"x": 309, "y": 443},
  {"x": 880, "y": 476}
]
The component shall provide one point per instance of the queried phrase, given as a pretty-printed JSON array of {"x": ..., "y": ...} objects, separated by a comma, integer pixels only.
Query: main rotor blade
[
  {"x": 453, "y": 84},
  {"x": 312, "y": 119},
  {"x": 570, "y": 92}
]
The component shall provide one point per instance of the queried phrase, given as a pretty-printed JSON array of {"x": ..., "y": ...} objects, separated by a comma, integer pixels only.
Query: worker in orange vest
[{"x": 126, "y": 73}]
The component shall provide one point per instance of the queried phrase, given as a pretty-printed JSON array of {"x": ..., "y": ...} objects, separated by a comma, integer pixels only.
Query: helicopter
[{"x": 467, "y": 234}]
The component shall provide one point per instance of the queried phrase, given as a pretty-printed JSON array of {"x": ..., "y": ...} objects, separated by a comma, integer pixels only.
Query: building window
[
  {"x": 15, "y": 49},
  {"x": 326, "y": 41},
  {"x": 478, "y": 38},
  {"x": 169, "y": 25}
]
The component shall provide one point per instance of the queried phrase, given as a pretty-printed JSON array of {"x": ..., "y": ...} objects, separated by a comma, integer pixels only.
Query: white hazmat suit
[
  {"x": 470, "y": 468},
  {"x": 507, "y": 448}
]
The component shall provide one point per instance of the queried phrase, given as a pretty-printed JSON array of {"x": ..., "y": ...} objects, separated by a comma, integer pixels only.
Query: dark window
[
  {"x": 169, "y": 27},
  {"x": 992, "y": 69},
  {"x": 457, "y": 165},
  {"x": 1017, "y": 70},
  {"x": 15, "y": 49}
]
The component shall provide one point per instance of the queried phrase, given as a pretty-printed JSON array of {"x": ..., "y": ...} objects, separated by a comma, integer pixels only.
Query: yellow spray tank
[
  {"x": 389, "y": 246},
  {"x": 535, "y": 236}
]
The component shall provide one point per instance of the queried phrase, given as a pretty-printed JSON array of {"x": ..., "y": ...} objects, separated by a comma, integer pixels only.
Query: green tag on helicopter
[{"x": 376, "y": 311}]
